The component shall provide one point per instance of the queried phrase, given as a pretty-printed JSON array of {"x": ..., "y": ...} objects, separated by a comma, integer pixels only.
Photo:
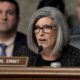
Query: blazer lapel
[{"x": 19, "y": 43}]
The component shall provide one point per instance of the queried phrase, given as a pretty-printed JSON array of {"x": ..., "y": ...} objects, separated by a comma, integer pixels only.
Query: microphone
[{"x": 40, "y": 48}]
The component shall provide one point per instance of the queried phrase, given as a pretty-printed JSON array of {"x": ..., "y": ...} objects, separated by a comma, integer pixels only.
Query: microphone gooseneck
[{"x": 40, "y": 48}]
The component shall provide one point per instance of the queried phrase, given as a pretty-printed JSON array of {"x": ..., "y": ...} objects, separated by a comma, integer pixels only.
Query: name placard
[{"x": 13, "y": 61}]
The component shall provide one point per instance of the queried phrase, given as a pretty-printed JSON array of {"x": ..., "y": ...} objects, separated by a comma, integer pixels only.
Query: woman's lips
[{"x": 42, "y": 41}]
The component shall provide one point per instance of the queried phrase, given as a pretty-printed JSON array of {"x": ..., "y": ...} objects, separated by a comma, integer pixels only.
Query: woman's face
[{"x": 45, "y": 31}]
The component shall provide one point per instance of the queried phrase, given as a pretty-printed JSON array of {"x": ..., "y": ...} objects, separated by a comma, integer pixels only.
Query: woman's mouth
[{"x": 42, "y": 41}]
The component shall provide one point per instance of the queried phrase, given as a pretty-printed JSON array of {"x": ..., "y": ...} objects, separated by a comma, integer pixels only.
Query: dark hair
[
  {"x": 53, "y": 3},
  {"x": 15, "y": 3}
]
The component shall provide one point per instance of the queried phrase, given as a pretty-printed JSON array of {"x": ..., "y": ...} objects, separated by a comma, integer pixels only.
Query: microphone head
[
  {"x": 55, "y": 64},
  {"x": 40, "y": 48}
]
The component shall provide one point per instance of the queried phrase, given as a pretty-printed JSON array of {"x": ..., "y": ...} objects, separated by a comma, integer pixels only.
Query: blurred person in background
[
  {"x": 12, "y": 42},
  {"x": 74, "y": 20},
  {"x": 75, "y": 26}
]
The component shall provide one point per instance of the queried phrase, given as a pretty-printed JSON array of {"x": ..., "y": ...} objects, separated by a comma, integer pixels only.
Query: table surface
[{"x": 39, "y": 71}]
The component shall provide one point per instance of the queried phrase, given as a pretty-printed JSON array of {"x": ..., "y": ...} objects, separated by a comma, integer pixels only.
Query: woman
[{"x": 48, "y": 29}]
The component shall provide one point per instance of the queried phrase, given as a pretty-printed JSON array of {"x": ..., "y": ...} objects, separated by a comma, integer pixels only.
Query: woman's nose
[{"x": 41, "y": 33}]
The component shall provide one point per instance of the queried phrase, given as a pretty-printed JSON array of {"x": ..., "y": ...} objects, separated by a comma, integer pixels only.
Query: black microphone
[{"x": 40, "y": 48}]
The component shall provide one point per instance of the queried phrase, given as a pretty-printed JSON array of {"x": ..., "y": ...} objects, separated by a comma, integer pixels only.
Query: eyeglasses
[{"x": 45, "y": 28}]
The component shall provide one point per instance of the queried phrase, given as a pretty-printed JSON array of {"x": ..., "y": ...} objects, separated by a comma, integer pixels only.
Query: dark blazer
[
  {"x": 19, "y": 43},
  {"x": 21, "y": 48},
  {"x": 70, "y": 57}
]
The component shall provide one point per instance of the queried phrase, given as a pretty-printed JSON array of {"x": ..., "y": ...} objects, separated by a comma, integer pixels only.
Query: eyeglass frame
[{"x": 50, "y": 27}]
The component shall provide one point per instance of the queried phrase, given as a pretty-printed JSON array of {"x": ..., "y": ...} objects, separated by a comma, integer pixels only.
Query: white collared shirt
[{"x": 10, "y": 46}]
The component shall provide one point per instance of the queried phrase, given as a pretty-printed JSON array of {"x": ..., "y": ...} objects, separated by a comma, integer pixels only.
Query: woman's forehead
[{"x": 45, "y": 19}]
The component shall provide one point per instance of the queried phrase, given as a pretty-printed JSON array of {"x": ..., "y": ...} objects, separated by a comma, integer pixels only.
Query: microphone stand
[{"x": 39, "y": 51}]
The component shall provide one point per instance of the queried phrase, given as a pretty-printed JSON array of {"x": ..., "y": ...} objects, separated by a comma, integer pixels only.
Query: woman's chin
[{"x": 45, "y": 47}]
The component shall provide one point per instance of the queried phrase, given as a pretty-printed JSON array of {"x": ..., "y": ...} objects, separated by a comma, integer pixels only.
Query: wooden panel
[{"x": 22, "y": 73}]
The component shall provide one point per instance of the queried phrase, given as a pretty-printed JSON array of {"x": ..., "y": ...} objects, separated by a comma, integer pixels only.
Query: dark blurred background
[{"x": 29, "y": 6}]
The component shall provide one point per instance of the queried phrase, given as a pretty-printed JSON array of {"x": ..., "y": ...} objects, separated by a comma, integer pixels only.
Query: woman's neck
[{"x": 50, "y": 57}]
